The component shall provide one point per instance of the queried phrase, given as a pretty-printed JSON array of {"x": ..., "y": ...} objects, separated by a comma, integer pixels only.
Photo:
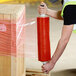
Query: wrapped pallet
[{"x": 12, "y": 19}]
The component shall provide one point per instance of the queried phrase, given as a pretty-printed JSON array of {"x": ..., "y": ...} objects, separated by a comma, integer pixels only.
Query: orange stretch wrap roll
[{"x": 43, "y": 39}]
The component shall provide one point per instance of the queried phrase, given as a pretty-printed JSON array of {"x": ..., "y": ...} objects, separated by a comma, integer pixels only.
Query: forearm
[
  {"x": 59, "y": 50},
  {"x": 54, "y": 14},
  {"x": 65, "y": 36}
]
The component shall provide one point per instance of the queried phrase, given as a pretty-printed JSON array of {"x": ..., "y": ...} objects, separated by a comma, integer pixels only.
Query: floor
[{"x": 66, "y": 65}]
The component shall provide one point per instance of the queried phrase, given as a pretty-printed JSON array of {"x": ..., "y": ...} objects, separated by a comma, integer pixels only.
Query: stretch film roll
[{"x": 43, "y": 39}]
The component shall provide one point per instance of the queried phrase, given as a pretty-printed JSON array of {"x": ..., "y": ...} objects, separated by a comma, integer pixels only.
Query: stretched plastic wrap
[
  {"x": 43, "y": 39},
  {"x": 12, "y": 34},
  {"x": 12, "y": 18}
]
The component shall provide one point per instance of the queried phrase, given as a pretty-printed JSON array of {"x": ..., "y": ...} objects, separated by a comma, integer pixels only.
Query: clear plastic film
[{"x": 12, "y": 36}]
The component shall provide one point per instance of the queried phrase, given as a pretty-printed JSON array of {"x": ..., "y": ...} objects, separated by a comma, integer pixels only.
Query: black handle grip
[{"x": 42, "y": 5}]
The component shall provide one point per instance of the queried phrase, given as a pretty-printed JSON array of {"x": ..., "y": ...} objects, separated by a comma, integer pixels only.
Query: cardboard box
[{"x": 12, "y": 35}]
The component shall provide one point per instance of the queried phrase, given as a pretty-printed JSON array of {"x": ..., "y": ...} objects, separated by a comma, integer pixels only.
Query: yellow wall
[
  {"x": 3, "y": 1},
  {"x": 19, "y": 1}
]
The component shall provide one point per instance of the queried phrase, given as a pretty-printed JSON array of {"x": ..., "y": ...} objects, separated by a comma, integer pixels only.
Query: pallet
[
  {"x": 35, "y": 72},
  {"x": 12, "y": 17}
]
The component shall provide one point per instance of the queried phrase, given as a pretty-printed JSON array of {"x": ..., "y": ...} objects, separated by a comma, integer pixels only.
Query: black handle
[{"x": 42, "y": 5}]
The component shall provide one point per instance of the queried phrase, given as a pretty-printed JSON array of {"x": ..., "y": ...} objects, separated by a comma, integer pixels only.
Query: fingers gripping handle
[
  {"x": 44, "y": 64},
  {"x": 42, "y": 15}
]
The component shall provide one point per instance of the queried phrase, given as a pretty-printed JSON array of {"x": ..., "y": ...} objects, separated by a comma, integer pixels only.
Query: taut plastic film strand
[{"x": 43, "y": 39}]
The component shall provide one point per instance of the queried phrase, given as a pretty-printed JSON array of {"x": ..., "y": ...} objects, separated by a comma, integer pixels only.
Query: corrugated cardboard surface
[{"x": 12, "y": 18}]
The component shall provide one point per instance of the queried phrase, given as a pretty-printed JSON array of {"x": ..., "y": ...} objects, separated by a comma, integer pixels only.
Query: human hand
[
  {"x": 42, "y": 10},
  {"x": 48, "y": 67}
]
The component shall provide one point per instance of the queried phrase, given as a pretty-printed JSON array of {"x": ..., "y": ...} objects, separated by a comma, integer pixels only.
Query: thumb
[
  {"x": 43, "y": 66},
  {"x": 42, "y": 3}
]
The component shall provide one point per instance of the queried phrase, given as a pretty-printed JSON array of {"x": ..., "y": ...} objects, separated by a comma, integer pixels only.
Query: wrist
[{"x": 52, "y": 61}]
